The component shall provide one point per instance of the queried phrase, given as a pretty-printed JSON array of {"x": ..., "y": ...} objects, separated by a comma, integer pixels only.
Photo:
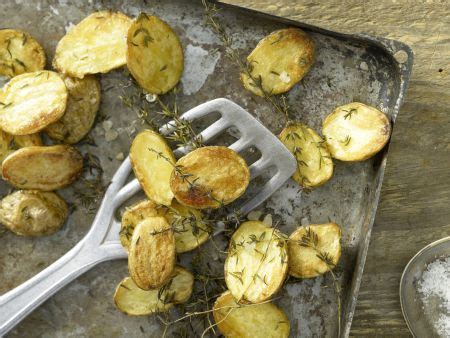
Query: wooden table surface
[{"x": 415, "y": 202}]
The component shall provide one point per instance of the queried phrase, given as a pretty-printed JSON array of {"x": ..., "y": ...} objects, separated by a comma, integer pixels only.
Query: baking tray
[{"x": 347, "y": 68}]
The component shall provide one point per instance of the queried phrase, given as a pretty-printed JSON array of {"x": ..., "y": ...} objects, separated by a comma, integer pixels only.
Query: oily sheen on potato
[
  {"x": 249, "y": 321},
  {"x": 279, "y": 61},
  {"x": 209, "y": 177},
  {"x": 31, "y": 101},
  {"x": 134, "y": 301},
  {"x": 42, "y": 168},
  {"x": 97, "y": 44},
  {"x": 19, "y": 53},
  {"x": 154, "y": 54},
  {"x": 257, "y": 262},
  {"x": 356, "y": 132}
]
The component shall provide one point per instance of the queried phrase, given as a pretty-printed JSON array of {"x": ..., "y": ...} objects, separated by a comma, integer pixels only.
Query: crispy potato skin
[
  {"x": 33, "y": 213},
  {"x": 256, "y": 250},
  {"x": 356, "y": 132},
  {"x": 281, "y": 59},
  {"x": 221, "y": 176},
  {"x": 82, "y": 107},
  {"x": 153, "y": 171},
  {"x": 32, "y": 101},
  {"x": 154, "y": 54},
  {"x": 151, "y": 257},
  {"x": 97, "y": 44},
  {"x": 314, "y": 163},
  {"x": 42, "y": 168},
  {"x": 133, "y": 301},
  {"x": 303, "y": 261},
  {"x": 251, "y": 321},
  {"x": 19, "y": 53}
]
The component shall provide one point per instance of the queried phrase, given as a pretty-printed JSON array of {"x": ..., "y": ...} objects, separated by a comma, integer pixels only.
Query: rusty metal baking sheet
[{"x": 347, "y": 68}]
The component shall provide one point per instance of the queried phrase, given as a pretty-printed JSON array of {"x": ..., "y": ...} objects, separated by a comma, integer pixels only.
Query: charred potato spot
[
  {"x": 151, "y": 256},
  {"x": 33, "y": 213},
  {"x": 133, "y": 301},
  {"x": 356, "y": 132},
  {"x": 152, "y": 162},
  {"x": 19, "y": 53},
  {"x": 257, "y": 262},
  {"x": 279, "y": 61},
  {"x": 303, "y": 260},
  {"x": 42, "y": 168},
  {"x": 209, "y": 177},
  {"x": 314, "y": 163},
  {"x": 249, "y": 321},
  {"x": 31, "y": 101},
  {"x": 82, "y": 107},
  {"x": 95, "y": 45},
  {"x": 154, "y": 54}
]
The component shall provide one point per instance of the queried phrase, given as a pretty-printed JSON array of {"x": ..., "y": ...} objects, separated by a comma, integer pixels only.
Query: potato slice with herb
[
  {"x": 33, "y": 213},
  {"x": 42, "y": 168},
  {"x": 153, "y": 162},
  {"x": 151, "y": 257},
  {"x": 278, "y": 62},
  {"x": 10, "y": 143},
  {"x": 97, "y": 44},
  {"x": 314, "y": 163},
  {"x": 19, "y": 53},
  {"x": 257, "y": 262},
  {"x": 134, "y": 301},
  {"x": 154, "y": 54},
  {"x": 31, "y": 101},
  {"x": 249, "y": 320},
  {"x": 314, "y": 249},
  {"x": 356, "y": 132},
  {"x": 82, "y": 107},
  {"x": 209, "y": 177}
]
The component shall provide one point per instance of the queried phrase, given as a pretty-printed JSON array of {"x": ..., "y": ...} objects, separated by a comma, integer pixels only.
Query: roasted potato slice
[
  {"x": 21, "y": 141},
  {"x": 33, "y": 213},
  {"x": 97, "y": 44},
  {"x": 249, "y": 321},
  {"x": 310, "y": 246},
  {"x": 6, "y": 145},
  {"x": 19, "y": 53},
  {"x": 314, "y": 163},
  {"x": 257, "y": 262},
  {"x": 154, "y": 54},
  {"x": 153, "y": 162},
  {"x": 31, "y": 101},
  {"x": 9, "y": 143},
  {"x": 151, "y": 257},
  {"x": 82, "y": 107},
  {"x": 133, "y": 301},
  {"x": 209, "y": 177},
  {"x": 279, "y": 61},
  {"x": 42, "y": 168},
  {"x": 356, "y": 132}
]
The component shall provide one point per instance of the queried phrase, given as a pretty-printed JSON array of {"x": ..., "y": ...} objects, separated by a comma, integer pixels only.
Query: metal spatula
[{"x": 102, "y": 241}]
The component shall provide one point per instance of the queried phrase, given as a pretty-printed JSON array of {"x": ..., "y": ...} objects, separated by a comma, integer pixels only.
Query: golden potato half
[
  {"x": 133, "y": 301},
  {"x": 82, "y": 107},
  {"x": 42, "y": 168},
  {"x": 314, "y": 163},
  {"x": 257, "y": 262},
  {"x": 356, "y": 132},
  {"x": 153, "y": 161},
  {"x": 19, "y": 53},
  {"x": 95, "y": 45},
  {"x": 151, "y": 257},
  {"x": 249, "y": 321},
  {"x": 31, "y": 101},
  {"x": 10, "y": 143},
  {"x": 154, "y": 54},
  {"x": 33, "y": 213},
  {"x": 303, "y": 259},
  {"x": 279, "y": 61},
  {"x": 209, "y": 177}
]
